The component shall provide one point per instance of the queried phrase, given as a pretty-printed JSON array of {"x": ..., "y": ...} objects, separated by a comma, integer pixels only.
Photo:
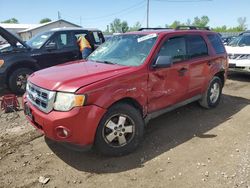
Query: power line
[
  {"x": 182, "y": 1},
  {"x": 118, "y": 12}
]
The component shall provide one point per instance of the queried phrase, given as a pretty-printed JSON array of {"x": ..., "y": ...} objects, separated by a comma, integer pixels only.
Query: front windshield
[
  {"x": 242, "y": 40},
  {"x": 38, "y": 40},
  {"x": 128, "y": 50}
]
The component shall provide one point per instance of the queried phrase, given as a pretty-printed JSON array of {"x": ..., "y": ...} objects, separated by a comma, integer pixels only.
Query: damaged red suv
[{"x": 107, "y": 100}]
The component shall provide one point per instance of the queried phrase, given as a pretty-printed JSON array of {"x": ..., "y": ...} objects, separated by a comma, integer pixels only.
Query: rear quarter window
[{"x": 216, "y": 43}]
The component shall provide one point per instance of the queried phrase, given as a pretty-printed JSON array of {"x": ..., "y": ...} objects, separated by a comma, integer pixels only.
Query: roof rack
[
  {"x": 153, "y": 28},
  {"x": 190, "y": 27}
]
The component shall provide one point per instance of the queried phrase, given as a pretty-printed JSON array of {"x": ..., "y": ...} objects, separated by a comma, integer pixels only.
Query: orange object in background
[{"x": 83, "y": 43}]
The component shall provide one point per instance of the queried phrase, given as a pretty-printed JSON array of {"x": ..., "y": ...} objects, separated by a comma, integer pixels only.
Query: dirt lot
[{"x": 188, "y": 147}]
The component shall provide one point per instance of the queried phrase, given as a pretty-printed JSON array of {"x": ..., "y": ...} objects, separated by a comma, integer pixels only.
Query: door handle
[
  {"x": 209, "y": 63},
  {"x": 182, "y": 71}
]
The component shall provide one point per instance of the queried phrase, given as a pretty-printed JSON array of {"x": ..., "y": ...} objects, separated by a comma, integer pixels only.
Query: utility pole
[
  {"x": 58, "y": 15},
  {"x": 147, "y": 13}
]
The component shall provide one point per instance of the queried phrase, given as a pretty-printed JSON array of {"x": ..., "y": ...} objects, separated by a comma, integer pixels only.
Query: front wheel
[
  {"x": 120, "y": 130},
  {"x": 18, "y": 80},
  {"x": 211, "y": 98}
]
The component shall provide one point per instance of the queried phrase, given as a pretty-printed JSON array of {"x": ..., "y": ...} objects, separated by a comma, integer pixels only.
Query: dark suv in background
[{"x": 18, "y": 59}]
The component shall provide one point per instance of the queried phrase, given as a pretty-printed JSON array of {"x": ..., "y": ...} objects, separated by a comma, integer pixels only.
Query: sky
[{"x": 100, "y": 13}]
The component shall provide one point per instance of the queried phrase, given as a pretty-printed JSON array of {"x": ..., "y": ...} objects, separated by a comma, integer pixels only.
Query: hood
[
  {"x": 12, "y": 39},
  {"x": 238, "y": 49},
  {"x": 71, "y": 76}
]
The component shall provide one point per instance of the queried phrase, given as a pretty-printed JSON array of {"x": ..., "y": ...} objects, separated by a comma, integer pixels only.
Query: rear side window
[
  {"x": 174, "y": 47},
  {"x": 196, "y": 46},
  {"x": 96, "y": 36},
  {"x": 216, "y": 43}
]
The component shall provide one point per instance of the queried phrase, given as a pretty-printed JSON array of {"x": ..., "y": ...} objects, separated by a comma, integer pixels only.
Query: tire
[
  {"x": 211, "y": 98},
  {"x": 120, "y": 131},
  {"x": 18, "y": 80}
]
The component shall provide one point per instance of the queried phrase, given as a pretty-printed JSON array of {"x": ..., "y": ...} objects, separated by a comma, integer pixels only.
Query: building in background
[{"x": 26, "y": 31}]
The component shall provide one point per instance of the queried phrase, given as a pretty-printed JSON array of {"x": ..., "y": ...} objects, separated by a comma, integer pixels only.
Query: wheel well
[
  {"x": 131, "y": 102},
  {"x": 18, "y": 65},
  {"x": 221, "y": 76}
]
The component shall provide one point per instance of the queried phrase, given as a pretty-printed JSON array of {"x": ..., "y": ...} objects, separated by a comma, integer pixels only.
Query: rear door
[
  {"x": 168, "y": 86},
  {"x": 198, "y": 60}
]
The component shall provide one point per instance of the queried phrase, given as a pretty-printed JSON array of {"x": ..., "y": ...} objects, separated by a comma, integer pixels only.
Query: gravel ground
[{"x": 188, "y": 147}]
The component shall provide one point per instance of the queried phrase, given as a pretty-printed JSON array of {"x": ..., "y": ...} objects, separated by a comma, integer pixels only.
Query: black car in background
[{"x": 19, "y": 59}]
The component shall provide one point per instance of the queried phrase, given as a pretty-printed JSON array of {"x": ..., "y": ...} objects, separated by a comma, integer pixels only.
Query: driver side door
[
  {"x": 168, "y": 86},
  {"x": 57, "y": 50}
]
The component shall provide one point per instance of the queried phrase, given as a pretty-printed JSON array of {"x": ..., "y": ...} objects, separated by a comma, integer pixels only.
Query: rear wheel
[
  {"x": 18, "y": 80},
  {"x": 120, "y": 130},
  {"x": 211, "y": 98}
]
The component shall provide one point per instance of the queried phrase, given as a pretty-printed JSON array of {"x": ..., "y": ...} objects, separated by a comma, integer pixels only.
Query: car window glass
[
  {"x": 216, "y": 43},
  {"x": 197, "y": 46},
  {"x": 128, "y": 50},
  {"x": 39, "y": 40},
  {"x": 174, "y": 47},
  {"x": 60, "y": 41},
  {"x": 245, "y": 41},
  {"x": 63, "y": 39},
  {"x": 97, "y": 39}
]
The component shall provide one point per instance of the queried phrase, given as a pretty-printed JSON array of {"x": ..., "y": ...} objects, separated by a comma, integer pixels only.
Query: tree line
[
  {"x": 121, "y": 26},
  {"x": 15, "y": 21}
]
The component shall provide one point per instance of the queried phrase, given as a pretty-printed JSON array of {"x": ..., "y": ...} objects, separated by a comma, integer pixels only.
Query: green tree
[
  {"x": 188, "y": 22},
  {"x": 135, "y": 27},
  {"x": 45, "y": 20},
  {"x": 11, "y": 20},
  {"x": 242, "y": 23},
  {"x": 118, "y": 26},
  {"x": 220, "y": 29},
  {"x": 175, "y": 24},
  {"x": 201, "y": 22}
]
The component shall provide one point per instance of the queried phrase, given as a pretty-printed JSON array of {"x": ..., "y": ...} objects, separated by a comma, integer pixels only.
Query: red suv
[{"x": 107, "y": 99}]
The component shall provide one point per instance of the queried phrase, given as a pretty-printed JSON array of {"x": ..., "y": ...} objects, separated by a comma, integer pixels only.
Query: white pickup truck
[{"x": 239, "y": 53}]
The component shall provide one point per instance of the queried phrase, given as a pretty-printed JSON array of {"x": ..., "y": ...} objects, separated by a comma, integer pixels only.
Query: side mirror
[
  {"x": 163, "y": 62},
  {"x": 51, "y": 46}
]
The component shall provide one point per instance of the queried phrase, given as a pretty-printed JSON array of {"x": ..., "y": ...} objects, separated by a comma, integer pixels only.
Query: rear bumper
[{"x": 81, "y": 123}]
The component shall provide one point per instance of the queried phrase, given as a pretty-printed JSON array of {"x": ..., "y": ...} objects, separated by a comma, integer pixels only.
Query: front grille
[
  {"x": 238, "y": 56},
  {"x": 41, "y": 98}
]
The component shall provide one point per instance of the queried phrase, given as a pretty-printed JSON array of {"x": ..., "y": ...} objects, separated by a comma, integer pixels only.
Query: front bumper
[
  {"x": 81, "y": 123},
  {"x": 239, "y": 65}
]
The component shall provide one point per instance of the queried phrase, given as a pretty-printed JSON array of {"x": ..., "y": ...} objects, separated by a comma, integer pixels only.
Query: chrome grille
[
  {"x": 41, "y": 98},
  {"x": 239, "y": 56}
]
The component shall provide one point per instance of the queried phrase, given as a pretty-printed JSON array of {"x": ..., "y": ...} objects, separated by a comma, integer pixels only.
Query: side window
[
  {"x": 174, "y": 47},
  {"x": 216, "y": 43},
  {"x": 60, "y": 40},
  {"x": 96, "y": 37},
  {"x": 197, "y": 46}
]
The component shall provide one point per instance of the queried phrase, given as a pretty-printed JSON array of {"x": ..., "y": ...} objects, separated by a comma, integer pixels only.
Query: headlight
[
  {"x": 66, "y": 101},
  {"x": 1, "y": 63}
]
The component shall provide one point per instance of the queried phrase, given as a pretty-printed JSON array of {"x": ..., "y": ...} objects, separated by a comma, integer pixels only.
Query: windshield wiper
[{"x": 106, "y": 62}]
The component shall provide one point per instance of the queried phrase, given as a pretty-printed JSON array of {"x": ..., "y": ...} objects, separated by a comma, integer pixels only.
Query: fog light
[
  {"x": 65, "y": 132},
  {"x": 62, "y": 132}
]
